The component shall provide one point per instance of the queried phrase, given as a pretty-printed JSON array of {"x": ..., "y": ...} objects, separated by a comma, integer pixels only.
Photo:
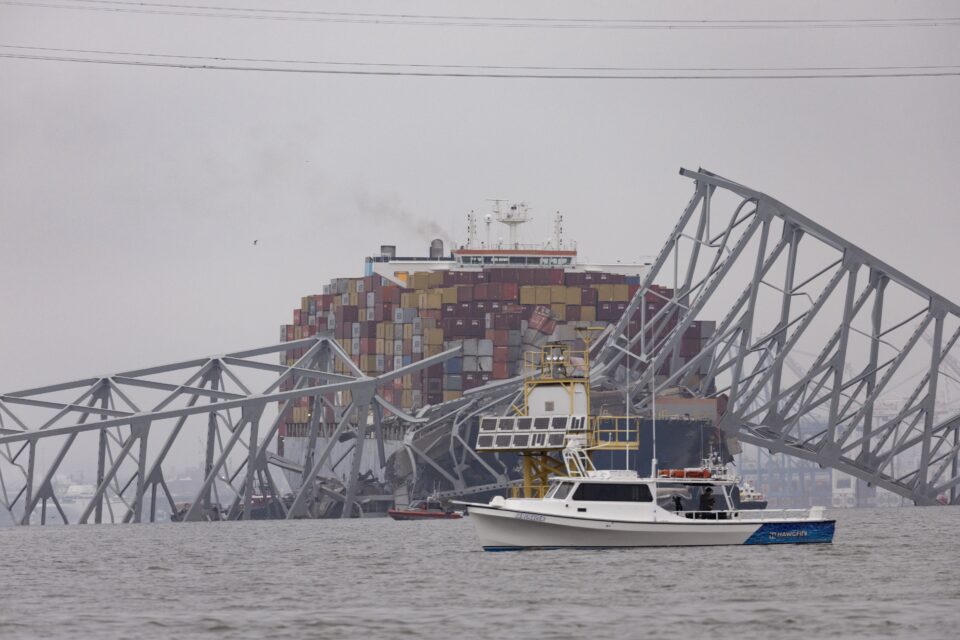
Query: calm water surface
[{"x": 889, "y": 573}]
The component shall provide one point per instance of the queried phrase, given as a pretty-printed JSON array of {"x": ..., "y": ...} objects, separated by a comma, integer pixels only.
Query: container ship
[{"x": 497, "y": 300}]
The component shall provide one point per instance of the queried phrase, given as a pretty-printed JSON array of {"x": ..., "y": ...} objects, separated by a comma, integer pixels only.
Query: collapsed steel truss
[
  {"x": 130, "y": 464},
  {"x": 805, "y": 294},
  {"x": 803, "y": 290}
]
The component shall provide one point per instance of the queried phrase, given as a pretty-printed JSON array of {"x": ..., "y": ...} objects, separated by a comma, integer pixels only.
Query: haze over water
[{"x": 889, "y": 573}]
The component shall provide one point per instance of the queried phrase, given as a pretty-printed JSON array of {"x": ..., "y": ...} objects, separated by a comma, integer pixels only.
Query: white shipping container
[{"x": 397, "y": 362}]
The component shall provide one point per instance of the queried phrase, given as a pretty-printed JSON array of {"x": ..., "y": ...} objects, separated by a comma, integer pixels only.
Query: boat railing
[{"x": 747, "y": 514}]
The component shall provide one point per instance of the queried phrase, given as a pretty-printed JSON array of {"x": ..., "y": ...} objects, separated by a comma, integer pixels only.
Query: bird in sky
[{"x": 255, "y": 242}]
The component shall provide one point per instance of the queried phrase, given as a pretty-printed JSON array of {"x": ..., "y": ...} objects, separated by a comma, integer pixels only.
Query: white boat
[
  {"x": 586, "y": 508},
  {"x": 598, "y": 509}
]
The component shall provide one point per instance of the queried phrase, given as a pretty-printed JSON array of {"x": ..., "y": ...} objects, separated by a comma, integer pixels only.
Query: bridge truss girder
[
  {"x": 209, "y": 391},
  {"x": 805, "y": 294}
]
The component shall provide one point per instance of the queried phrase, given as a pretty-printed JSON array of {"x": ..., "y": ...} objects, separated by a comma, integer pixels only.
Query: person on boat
[
  {"x": 707, "y": 500},
  {"x": 677, "y": 503}
]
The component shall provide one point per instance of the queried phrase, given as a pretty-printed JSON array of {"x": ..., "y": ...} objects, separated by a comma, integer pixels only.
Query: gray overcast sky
[{"x": 130, "y": 197}]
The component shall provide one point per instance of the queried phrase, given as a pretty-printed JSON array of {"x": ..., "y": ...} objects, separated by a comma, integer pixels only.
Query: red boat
[{"x": 429, "y": 509}]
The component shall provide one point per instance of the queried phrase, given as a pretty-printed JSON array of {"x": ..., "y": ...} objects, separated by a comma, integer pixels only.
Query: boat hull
[{"x": 507, "y": 529}]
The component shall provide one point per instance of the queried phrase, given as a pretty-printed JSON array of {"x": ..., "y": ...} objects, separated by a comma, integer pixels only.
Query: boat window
[
  {"x": 613, "y": 492},
  {"x": 563, "y": 490}
]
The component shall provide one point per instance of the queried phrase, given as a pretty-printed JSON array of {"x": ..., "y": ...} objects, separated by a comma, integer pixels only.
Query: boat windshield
[
  {"x": 560, "y": 490},
  {"x": 598, "y": 492}
]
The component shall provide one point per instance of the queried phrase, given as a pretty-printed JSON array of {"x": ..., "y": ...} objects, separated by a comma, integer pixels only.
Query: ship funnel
[
  {"x": 436, "y": 249},
  {"x": 388, "y": 251}
]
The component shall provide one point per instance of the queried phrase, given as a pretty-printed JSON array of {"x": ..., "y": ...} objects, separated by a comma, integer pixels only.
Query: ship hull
[{"x": 506, "y": 530}]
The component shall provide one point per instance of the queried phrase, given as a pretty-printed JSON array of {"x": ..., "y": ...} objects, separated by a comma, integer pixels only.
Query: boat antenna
[
  {"x": 626, "y": 391},
  {"x": 653, "y": 389}
]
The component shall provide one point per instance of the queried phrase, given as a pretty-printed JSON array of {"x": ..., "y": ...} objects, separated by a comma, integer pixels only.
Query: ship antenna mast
[
  {"x": 471, "y": 230},
  {"x": 558, "y": 231},
  {"x": 515, "y": 216}
]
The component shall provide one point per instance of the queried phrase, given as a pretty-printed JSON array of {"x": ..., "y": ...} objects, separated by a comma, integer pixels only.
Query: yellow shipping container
[
  {"x": 352, "y": 286},
  {"x": 559, "y": 310},
  {"x": 572, "y": 295},
  {"x": 432, "y": 349},
  {"x": 543, "y": 295},
  {"x": 362, "y": 315},
  {"x": 353, "y": 298},
  {"x": 408, "y": 332},
  {"x": 406, "y": 399},
  {"x": 305, "y": 303},
  {"x": 588, "y": 314},
  {"x": 408, "y": 300},
  {"x": 451, "y": 395},
  {"x": 528, "y": 295},
  {"x": 621, "y": 292},
  {"x": 421, "y": 280},
  {"x": 436, "y": 279},
  {"x": 433, "y": 336},
  {"x": 558, "y": 294},
  {"x": 381, "y": 334},
  {"x": 380, "y": 344},
  {"x": 434, "y": 300},
  {"x": 448, "y": 295},
  {"x": 604, "y": 292},
  {"x": 388, "y": 331}
]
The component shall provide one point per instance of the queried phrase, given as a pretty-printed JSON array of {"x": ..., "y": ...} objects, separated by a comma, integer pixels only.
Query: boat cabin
[{"x": 693, "y": 497}]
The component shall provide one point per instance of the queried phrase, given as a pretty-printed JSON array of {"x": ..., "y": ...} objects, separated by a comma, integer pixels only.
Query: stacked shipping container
[{"x": 492, "y": 313}]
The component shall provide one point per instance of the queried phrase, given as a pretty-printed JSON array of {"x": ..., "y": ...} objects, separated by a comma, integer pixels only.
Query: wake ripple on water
[{"x": 890, "y": 573}]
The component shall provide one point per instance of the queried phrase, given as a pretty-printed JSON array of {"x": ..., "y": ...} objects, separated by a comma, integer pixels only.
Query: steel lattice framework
[
  {"x": 815, "y": 341},
  {"x": 212, "y": 399},
  {"x": 785, "y": 290}
]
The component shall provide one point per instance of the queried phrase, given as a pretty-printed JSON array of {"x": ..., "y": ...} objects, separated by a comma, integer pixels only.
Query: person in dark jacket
[
  {"x": 677, "y": 503},
  {"x": 707, "y": 500}
]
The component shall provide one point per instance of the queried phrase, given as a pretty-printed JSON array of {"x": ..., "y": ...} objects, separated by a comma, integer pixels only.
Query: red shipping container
[
  {"x": 509, "y": 291},
  {"x": 296, "y": 316},
  {"x": 465, "y": 294},
  {"x": 480, "y": 292},
  {"x": 501, "y": 370},
  {"x": 573, "y": 313},
  {"x": 527, "y": 276},
  {"x": 501, "y": 354},
  {"x": 289, "y": 332}
]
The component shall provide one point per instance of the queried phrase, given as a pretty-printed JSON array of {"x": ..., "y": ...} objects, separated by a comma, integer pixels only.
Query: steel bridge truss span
[
  {"x": 137, "y": 425},
  {"x": 823, "y": 351}
]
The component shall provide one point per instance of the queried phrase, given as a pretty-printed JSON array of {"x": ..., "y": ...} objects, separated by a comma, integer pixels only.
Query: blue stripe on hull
[{"x": 793, "y": 533}]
